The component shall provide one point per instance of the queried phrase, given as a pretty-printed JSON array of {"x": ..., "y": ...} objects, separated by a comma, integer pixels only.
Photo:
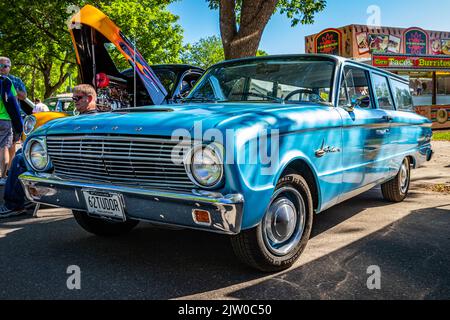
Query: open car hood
[{"x": 94, "y": 35}]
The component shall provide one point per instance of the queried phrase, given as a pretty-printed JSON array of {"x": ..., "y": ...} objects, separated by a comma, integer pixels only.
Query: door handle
[{"x": 387, "y": 118}]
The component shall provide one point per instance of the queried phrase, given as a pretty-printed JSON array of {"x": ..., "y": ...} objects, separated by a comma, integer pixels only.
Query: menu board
[
  {"x": 380, "y": 43},
  {"x": 445, "y": 46},
  {"x": 394, "y": 44},
  {"x": 362, "y": 42}
]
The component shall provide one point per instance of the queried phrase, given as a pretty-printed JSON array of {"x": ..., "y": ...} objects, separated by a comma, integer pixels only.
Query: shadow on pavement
[
  {"x": 152, "y": 263},
  {"x": 412, "y": 254}
]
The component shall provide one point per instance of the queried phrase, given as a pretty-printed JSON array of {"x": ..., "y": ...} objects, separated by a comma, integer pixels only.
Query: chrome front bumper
[{"x": 155, "y": 206}]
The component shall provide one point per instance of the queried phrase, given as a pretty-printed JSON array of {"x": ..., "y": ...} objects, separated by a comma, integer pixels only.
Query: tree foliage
[
  {"x": 206, "y": 52},
  {"x": 242, "y": 22},
  {"x": 36, "y": 38}
]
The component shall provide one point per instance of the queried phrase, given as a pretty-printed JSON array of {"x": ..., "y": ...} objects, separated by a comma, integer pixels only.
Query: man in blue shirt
[{"x": 5, "y": 69}]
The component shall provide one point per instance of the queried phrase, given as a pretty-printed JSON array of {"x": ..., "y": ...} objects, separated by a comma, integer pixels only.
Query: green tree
[
  {"x": 206, "y": 52},
  {"x": 36, "y": 38},
  {"x": 242, "y": 22}
]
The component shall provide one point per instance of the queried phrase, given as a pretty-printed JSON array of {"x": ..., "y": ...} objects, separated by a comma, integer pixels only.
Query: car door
[
  {"x": 385, "y": 102},
  {"x": 365, "y": 132},
  {"x": 407, "y": 132}
]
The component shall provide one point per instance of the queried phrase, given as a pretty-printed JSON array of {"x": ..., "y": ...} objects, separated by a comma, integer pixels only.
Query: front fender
[{"x": 294, "y": 158}]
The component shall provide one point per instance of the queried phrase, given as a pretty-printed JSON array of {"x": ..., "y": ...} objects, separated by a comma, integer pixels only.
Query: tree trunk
[
  {"x": 33, "y": 84},
  {"x": 49, "y": 88},
  {"x": 255, "y": 14}
]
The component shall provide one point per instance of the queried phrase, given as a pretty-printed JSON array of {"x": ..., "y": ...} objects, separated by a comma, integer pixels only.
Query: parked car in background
[
  {"x": 61, "y": 103},
  {"x": 335, "y": 128}
]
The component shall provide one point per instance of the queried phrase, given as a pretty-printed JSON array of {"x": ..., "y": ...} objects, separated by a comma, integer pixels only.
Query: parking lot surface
[{"x": 409, "y": 242}]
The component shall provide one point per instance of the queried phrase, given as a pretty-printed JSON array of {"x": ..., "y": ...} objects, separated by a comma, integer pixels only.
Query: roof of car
[{"x": 180, "y": 67}]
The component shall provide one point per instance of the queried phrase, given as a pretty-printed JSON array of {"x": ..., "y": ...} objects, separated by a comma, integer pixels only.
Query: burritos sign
[{"x": 410, "y": 62}]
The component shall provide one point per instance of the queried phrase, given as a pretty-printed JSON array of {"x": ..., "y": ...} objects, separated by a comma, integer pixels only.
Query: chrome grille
[{"x": 125, "y": 160}]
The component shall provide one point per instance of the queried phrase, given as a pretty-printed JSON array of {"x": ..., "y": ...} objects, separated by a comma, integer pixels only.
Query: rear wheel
[
  {"x": 397, "y": 189},
  {"x": 278, "y": 241},
  {"x": 101, "y": 227}
]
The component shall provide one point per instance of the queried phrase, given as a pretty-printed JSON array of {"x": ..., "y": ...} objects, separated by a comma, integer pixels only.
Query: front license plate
[{"x": 104, "y": 204}]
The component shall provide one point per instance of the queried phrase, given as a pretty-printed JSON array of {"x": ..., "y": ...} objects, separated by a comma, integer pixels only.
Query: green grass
[{"x": 441, "y": 136}]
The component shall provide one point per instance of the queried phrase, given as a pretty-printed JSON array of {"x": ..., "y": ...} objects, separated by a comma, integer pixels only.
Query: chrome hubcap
[
  {"x": 283, "y": 224},
  {"x": 404, "y": 178}
]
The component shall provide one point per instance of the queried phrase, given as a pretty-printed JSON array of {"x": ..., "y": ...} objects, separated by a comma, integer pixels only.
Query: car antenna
[
  {"x": 94, "y": 62},
  {"x": 134, "y": 76}
]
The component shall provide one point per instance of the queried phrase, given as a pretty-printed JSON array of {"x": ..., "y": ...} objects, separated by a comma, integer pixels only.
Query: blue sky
[{"x": 198, "y": 21}]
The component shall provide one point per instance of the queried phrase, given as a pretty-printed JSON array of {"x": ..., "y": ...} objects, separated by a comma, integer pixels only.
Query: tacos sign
[{"x": 408, "y": 62}]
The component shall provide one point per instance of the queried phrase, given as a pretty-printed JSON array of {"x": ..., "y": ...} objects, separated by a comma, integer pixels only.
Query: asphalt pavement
[{"x": 408, "y": 242}]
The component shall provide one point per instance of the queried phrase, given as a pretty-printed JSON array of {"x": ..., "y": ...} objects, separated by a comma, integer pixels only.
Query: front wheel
[
  {"x": 397, "y": 189},
  {"x": 279, "y": 240},
  {"x": 103, "y": 228}
]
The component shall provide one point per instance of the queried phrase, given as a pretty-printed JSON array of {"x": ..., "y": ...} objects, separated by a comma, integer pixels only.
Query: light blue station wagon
[{"x": 258, "y": 147}]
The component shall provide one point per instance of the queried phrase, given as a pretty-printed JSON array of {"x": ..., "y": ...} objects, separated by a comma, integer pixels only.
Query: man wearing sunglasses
[
  {"x": 85, "y": 99},
  {"x": 15, "y": 202},
  {"x": 5, "y": 69}
]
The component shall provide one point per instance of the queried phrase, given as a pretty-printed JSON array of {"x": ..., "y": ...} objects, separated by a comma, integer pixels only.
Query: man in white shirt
[{"x": 39, "y": 106}]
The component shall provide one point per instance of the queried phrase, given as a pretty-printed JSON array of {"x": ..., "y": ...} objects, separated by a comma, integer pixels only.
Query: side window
[
  {"x": 68, "y": 106},
  {"x": 382, "y": 92},
  {"x": 205, "y": 92},
  {"x": 188, "y": 82},
  {"x": 402, "y": 96},
  {"x": 354, "y": 86}
]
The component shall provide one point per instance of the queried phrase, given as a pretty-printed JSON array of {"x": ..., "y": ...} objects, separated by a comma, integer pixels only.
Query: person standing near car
[
  {"x": 10, "y": 120},
  {"x": 39, "y": 106},
  {"x": 15, "y": 202},
  {"x": 5, "y": 69}
]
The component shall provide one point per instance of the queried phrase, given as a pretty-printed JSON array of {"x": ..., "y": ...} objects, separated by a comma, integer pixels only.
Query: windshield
[{"x": 304, "y": 79}]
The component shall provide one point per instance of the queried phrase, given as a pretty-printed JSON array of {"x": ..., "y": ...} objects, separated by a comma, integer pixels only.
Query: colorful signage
[
  {"x": 410, "y": 62},
  {"x": 440, "y": 115},
  {"x": 381, "y": 43},
  {"x": 329, "y": 42},
  {"x": 416, "y": 41}
]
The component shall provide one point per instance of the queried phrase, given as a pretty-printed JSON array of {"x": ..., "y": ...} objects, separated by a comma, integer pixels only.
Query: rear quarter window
[{"x": 402, "y": 96}]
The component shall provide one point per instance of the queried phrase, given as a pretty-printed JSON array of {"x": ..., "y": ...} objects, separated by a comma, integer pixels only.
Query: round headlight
[
  {"x": 37, "y": 155},
  {"x": 204, "y": 167},
  {"x": 29, "y": 124}
]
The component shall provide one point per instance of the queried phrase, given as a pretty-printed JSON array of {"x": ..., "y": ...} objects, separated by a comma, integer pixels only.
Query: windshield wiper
[
  {"x": 200, "y": 99},
  {"x": 261, "y": 95}
]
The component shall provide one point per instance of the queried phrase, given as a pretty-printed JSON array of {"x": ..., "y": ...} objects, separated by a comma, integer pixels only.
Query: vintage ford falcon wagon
[{"x": 258, "y": 147}]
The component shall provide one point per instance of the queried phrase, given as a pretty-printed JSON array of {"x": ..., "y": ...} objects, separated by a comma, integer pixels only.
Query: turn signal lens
[{"x": 201, "y": 217}]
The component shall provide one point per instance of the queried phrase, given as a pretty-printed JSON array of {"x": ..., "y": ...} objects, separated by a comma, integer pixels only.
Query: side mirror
[
  {"x": 349, "y": 108},
  {"x": 362, "y": 102}
]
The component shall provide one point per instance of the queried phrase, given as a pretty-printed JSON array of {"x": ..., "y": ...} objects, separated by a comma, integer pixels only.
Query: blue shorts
[{"x": 6, "y": 134}]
